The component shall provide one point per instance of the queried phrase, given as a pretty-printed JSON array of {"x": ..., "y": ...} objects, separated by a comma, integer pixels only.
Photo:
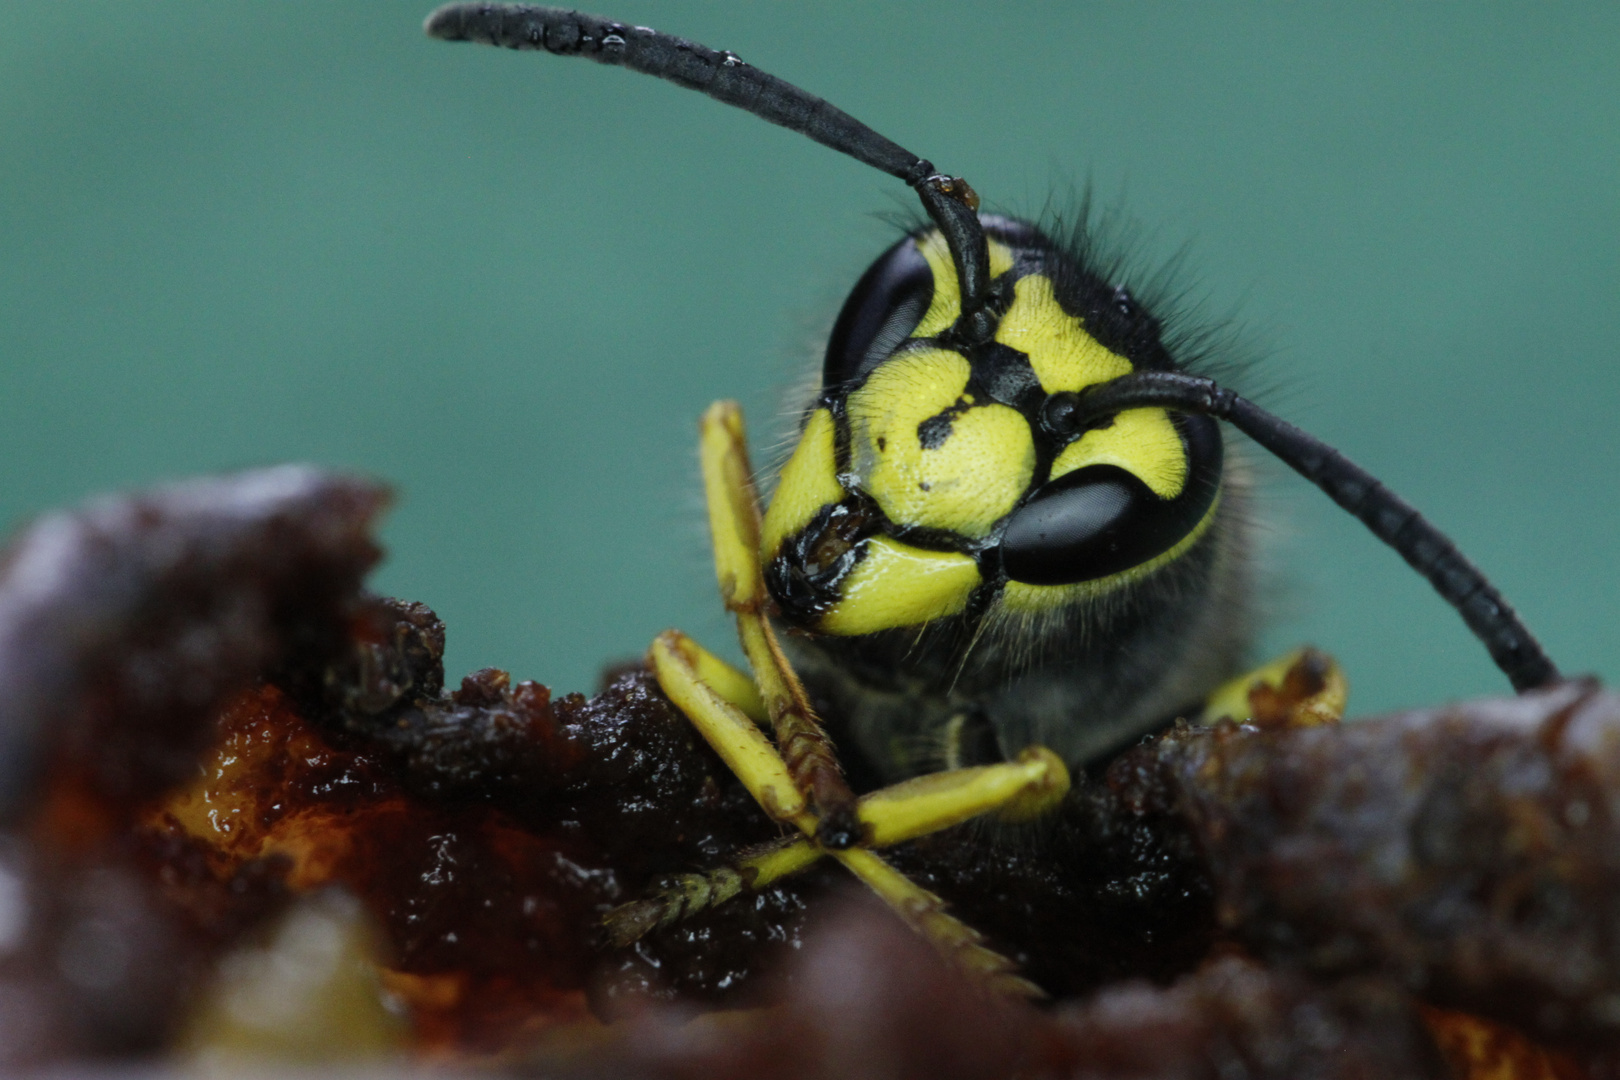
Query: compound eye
[
  {"x": 1101, "y": 519},
  {"x": 882, "y": 310}
]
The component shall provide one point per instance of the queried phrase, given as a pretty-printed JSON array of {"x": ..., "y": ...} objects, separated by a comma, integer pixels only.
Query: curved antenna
[
  {"x": 949, "y": 201},
  {"x": 1390, "y": 518},
  {"x": 953, "y": 207}
]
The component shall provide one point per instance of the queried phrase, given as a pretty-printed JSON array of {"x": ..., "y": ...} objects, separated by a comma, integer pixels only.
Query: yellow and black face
[{"x": 935, "y": 479}]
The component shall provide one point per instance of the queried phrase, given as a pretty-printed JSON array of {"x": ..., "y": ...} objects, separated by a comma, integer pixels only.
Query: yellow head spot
[
  {"x": 929, "y": 454},
  {"x": 896, "y": 584},
  {"x": 809, "y": 481},
  {"x": 946, "y": 305},
  {"x": 1063, "y": 355},
  {"x": 1143, "y": 442}
]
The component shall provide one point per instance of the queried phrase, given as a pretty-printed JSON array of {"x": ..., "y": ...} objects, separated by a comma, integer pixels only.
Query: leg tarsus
[
  {"x": 925, "y": 913},
  {"x": 687, "y": 895},
  {"x": 1014, "y": 791},
  {"x": 734, "y": 521}
]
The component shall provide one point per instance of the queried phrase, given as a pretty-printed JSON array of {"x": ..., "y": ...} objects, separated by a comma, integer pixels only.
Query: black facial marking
[
  {"x": 1014, "y": 233},
  {"x": 1112, "y": 316},
  {"x": 933, "y": 432},
  {"x": 1108, "y": 310},
  {"x": 1003, "y": 375}
]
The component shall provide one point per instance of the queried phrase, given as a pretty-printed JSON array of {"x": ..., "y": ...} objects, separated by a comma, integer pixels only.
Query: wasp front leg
[
  {"x": 797, "y": 781},
  {"x": 734, "y": 522}
]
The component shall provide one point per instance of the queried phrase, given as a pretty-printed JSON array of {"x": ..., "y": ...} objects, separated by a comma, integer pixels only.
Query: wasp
[{"x": 1009, "y": 538}]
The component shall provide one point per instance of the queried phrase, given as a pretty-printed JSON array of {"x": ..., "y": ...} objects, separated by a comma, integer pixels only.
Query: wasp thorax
[{"x": 938, "y": 474}]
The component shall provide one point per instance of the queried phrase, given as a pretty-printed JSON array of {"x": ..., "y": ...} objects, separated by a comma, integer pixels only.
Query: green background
[{"x": 236, "y": 234}]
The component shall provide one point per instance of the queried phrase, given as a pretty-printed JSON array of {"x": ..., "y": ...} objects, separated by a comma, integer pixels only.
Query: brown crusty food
[{"x": 203, "y": 718}]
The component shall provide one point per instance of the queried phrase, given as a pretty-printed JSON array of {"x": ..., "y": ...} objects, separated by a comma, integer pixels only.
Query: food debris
[
  {"x": 224, "y": 767},
  {"x": 1473, "y": 851}
]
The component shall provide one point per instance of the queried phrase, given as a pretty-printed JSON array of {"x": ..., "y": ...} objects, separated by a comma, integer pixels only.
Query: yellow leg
[
  {"x": 734, "y": 522},
  {"x": 730, "y": 683},
  {"x": 736, "y": 738},
  {"x": 798, "y": 781},
  {"x": 925, "y": 913},
  {"x": 1028, "y": 787},
  {"x": 1302, "y": 688},
  {"x": 1020, "y": 790}
]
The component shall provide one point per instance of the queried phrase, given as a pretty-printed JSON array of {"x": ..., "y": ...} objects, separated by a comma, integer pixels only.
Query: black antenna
[
  {"x": 1391, "y": 518},
  {"x": 953, "y": 206},
  {"x": 950, "y": 202}
]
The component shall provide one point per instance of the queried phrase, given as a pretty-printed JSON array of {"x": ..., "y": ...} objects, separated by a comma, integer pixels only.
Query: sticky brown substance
[
  {"x": 124, "y": 626},
  {"x": 1110, "y": 887},
  {"x": 1471, "y": 850},
  {"x": 1426, "y": 894}
]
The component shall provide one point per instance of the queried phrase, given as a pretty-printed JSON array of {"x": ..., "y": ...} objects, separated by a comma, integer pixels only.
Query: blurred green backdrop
[{"x": 234, "y": 234}]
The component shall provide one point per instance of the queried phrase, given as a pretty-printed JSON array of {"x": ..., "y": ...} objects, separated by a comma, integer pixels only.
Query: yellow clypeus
[
  {"x": 895, "y": 584},
  {"x": 929, "y": 453}
]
